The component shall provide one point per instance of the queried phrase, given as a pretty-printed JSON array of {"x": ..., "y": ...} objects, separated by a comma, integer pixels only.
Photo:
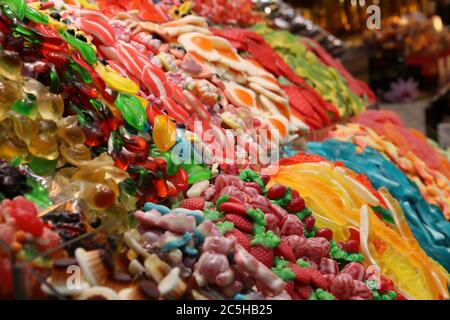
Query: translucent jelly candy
[
  {"x": 10, "y": 65},
  {"x": 85, "y": 49},
  {"x": 76, "y": 154},
  {"x": 50, "y": 106},
  {"x": 9, "y": 93},
  {"x": 132, "y": 110},
  {"x": 44, "y": 146},
  {"x": 196, "y": 172},
  {"x": 116, "y": 81},
  {"x": 25, "y": 128},
  {"x": 98, "y": 196},
  {"x": 164, "y": 133},
  {"x": 338, "y": 203},
  {"x": 18, "y": 7},
  {"x": 25, "y": 107},
  {"x": 43, "y": 167},
  {"x": 101, "y": 170},
  {"x": 70, "y": 132},
  {"x": 11, "y": 148}
]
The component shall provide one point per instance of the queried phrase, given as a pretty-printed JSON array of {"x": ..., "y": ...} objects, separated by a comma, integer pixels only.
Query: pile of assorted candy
[
  {"x": 232, "y": 238},
  {"x": 100, "y": 104}
]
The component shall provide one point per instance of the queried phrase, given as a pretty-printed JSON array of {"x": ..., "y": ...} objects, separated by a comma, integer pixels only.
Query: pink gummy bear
[{"x": 213, "y": 266}]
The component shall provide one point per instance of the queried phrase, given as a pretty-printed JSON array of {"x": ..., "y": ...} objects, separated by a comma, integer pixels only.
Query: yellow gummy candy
[
  {"x": 164, "y": 133},
  {"x": 115, "y": 81}
]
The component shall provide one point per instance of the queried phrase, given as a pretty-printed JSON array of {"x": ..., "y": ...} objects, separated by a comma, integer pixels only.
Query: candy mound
[
  {"x": 227, "y": 12},
  {"x": 426, "y": 221},
  {"x": 106, "y": 108},
  {"x": 184, "y": 251},
  {"x": 389, "y": 125},
  {"x": 326, "y": 81},
  {"x": 341, "y": 200}
]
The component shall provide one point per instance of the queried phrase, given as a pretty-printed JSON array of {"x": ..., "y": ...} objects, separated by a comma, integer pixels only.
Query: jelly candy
[
  {"x": 84, "y": 48},
  {"x": 132, "y": 110},
  {"x": 196, "y": 173},
  {"x": 115, "y": 81},
  {"x": 35, "y": 15},
  {"x": 164, "y": 133},
  {"x": 18, "y": 7},
  {"x": 10, "y": 65},
  {"x": 26, "y": 107}
]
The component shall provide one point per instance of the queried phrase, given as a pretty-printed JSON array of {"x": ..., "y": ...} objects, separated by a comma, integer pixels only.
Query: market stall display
[{"x": 101, "y": 104}]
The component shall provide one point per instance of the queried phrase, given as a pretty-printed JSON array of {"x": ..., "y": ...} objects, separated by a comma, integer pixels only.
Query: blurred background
[{"x": 406, "y": 61}]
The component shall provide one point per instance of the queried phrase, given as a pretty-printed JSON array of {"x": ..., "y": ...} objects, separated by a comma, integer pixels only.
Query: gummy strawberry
[
  {"x": 48, "y": 240},
  {"x": 241, "y": 238},
  {"x": 240, "y": 222},
  {"x": 263, "y": 255},
  {"x": 265, "y": 178},
  {"x": 276, "y": 192},
  {"x": 284, "y": 250},
  {"x": 197, "y": 203},
  {"x": 355, "y": 269},
  {"x": 309, "y": 223},
  {"x": 317, "y": 279},
  {"x": 6, "y": 278},
  {"x": 295, "y": 194},
  {"x": 304, "y": 291},
  {"x": 351, "y": 246},
  {"x": 296, "y": 205},
  {"x": 386, "y": 285},
  {"x": 325, "y": 233},
  {"x": 301, "y": 274},
  {"x": 231, "y": 207},
  {"x": 290, "y": 288},
  {"x": 25, "y": 214}
]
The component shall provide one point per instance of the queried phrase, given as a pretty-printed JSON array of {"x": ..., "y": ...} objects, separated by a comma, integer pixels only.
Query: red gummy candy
[
  {"x": 193, "y": 203},
  {"x": 309, "y": 223},
  {"x": 296, "y": 205},
  {"x": 285, "y": 251},
  {"x": 325, "y": 233},
  {"x": 25, "y": 214},
  {"x": 263, "y": 255},
  {"x": 241, "y": 238},
  {"x": 240, "y": 222},
  {"x": 276, "y": 191}
]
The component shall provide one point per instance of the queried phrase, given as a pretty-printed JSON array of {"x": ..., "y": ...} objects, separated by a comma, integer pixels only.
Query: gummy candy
[
  {"x": 164, "y": 133},
  {"x": 337, "y": 207}
]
